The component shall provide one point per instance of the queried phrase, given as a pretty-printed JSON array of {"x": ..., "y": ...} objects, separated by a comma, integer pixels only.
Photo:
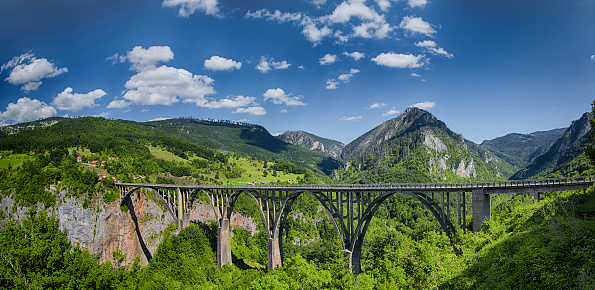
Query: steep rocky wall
[{"x": 104, "y": 228}]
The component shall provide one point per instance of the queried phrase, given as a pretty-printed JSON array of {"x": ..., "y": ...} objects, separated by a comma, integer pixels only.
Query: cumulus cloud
[
  {"x": 278, "y": 96},
  {"x": 353, "y": 9},
  {"x": 168, "y": 85},
  {"x": 328, "y": 59},
  {"x": 377, "y": 105},
  {"x": 356, "y": 55},
  {"x": 398, "y": 60},
  {"x": 391, "y": 112},
  {"x": 267, "y": 63},
  {"x": 593, "y": 57},
  {"x": 67, "y": 101},
  {"x": 384, "y": 5},
  {"x": 162, "y": 85},
  {"x": 146, "y": 59},
  {"x": 188, "y": 7},
  {"x": 25, "y": 110},
  {"x": 313, "y": 33},
  {"x": 277, "y": 16},
  {"x": 27, "y": 70},
  {"x": 332, "y": 84},
  {"x": 258, "y": 111},
  {"x": 229, "y": 103},
  {"x": 217, "y": 63},
  {"x": 416, "y": 25},
  {"x": 354, "y": 118},
  {"x": 415, "y": 75},
  {"x": 424, "y": 105},
  {"x": 118, "y": 104},
  {"x": 417, "y": 3},
  {"x": 433, "y": 48}
]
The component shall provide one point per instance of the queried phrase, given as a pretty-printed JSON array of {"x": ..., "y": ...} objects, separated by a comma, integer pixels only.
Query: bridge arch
[{"x": 167, "y": 205}]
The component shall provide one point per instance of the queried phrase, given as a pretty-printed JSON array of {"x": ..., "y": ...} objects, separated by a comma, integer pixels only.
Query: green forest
[{"x": 526, "y": 245}]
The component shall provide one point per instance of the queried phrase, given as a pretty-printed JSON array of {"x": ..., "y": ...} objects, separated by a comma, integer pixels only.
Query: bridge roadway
[{"x": 349, "y": 206}]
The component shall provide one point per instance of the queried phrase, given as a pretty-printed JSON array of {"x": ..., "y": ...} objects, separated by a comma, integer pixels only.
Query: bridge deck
[{"x": 517, "y": 186}]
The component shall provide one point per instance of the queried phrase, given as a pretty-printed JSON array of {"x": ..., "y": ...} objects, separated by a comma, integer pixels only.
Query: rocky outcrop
[
  {"x": 312, "y": 142},
  {"x": 104, "y": 228}
]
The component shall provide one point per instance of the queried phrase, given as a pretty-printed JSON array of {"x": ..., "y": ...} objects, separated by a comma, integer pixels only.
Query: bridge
[{"x": 350, "y": 207}]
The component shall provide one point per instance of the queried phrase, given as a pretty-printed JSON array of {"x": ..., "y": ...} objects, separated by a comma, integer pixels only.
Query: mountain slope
[
  {"x": 417, "y": 147},
  {"x": 562, "y": 153},
  {"x": 519, "y": 149},
  {"x": 310, "y": 141}
]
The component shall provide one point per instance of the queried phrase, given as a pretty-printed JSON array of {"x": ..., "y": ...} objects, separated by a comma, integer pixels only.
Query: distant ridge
[{"x": 310, "y": 141}]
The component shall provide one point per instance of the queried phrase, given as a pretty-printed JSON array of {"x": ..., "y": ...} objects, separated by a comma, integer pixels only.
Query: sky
[{"x": 333, "y": 68}]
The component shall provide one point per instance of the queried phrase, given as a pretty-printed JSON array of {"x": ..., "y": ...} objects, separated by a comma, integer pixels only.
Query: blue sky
[{"x": 333, "y": 68}]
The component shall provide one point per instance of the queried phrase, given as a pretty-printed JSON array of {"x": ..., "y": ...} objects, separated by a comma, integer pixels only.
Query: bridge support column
[
  {"x": 223, "y": 244},
  {"x": 180, "y": 209},
  {"x": 481, "y": 208},
  {"x": 274, "y": 261}
]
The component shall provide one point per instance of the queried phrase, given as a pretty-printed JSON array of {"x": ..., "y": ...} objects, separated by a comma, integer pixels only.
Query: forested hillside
[
  {"x": 417, "y": 147},
  {"x": 518, "y": 149}
]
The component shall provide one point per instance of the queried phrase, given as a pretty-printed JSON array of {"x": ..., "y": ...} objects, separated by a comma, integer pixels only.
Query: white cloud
[
  {"x": 384, "y": 5},
  {"x": 267, "y": 63},
  {"x": 593, "y": 57},
  {"x": 147, "y": 59},
  {"x": 424, "y": 105},
  {"x": 398, "y": 60},
  {"x": 415, "y": 75},
  {"x": 345, "y": 11},
  {"x": 25, "y": 110},
  {"x": 301, "y": 67},
  {"x": 118, "y": 104},
  {"x": 158, "y": 119},
  {"x": 347, "y": 77},
  {"x": 277, "y": 16},
  {"x": 332, "y": 84},
  {"x": 103, "y": 114},
  {"x": 433, "y": 48},
  {"x": 417, "y": 3},
  {"x": 358, "y": 118},
  {"x": 356, "y": 55},
  {"x": 228, "y": 103},
  {"x": 377, "y": 105},
  {"x": 188, "y": 7},
  {"x": 67, "y": 101},
  {"x": 27, "y": 70},
  {"x": 391, "y": 112},
  {"x": 283, "y": 111},
  {"x": 168, "y": 85},
  {"x": 417, "y": 25},
  {"x": 313, "y": 33},
  {"x": 278, "y": 97},
  {"x": 217, "y": 63},
  {"x": 258, "y": 111},
  {"x": 328, "y": 59}
]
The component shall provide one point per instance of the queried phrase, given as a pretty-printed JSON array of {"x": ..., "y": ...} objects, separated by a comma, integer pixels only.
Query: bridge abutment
[
  {"x": 482, "y": 210},
  {"x": 223, "y": 244}
]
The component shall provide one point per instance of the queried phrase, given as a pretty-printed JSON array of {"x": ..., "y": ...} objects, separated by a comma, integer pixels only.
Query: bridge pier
[
  {"x": 223, "y": 243},
  {"x": 482, "y": 210},
  {"x": 274, "y": 260}
]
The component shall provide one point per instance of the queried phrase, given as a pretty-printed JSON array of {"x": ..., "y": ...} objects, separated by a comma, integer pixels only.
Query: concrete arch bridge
[{"x": 350, "y": 207}]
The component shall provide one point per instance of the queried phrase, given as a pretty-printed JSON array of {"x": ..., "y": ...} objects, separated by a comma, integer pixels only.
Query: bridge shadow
[{"x": 143, "y": 245}]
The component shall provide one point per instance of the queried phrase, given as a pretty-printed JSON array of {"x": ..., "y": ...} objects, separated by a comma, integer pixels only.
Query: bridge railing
[{"x": 459, "y": 186}]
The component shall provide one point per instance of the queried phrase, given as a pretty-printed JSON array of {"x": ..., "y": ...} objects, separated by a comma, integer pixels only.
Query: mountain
[
  {"x": 519, "y": 149},
  {"x": 417, "y": 147},
  {"x": 310, "y": 141},
  {"x": 567, "y": 151},
  {"x": 178, "y": 135}
]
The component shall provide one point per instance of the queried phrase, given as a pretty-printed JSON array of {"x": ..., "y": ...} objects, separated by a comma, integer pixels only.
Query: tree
[{"x": 590, "y": 150}]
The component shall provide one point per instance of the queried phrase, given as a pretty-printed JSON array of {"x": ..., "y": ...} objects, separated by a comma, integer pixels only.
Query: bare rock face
[{"x": 104, "y": 228}]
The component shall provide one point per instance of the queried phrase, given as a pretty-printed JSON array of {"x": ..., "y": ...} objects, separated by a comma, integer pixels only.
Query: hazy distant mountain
[
  {"x": 310, "y": 141},
  {"x": 562, "y": 153},
  {"x": 519, "y": 149},
  {"x": 417, "y": 147}
]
